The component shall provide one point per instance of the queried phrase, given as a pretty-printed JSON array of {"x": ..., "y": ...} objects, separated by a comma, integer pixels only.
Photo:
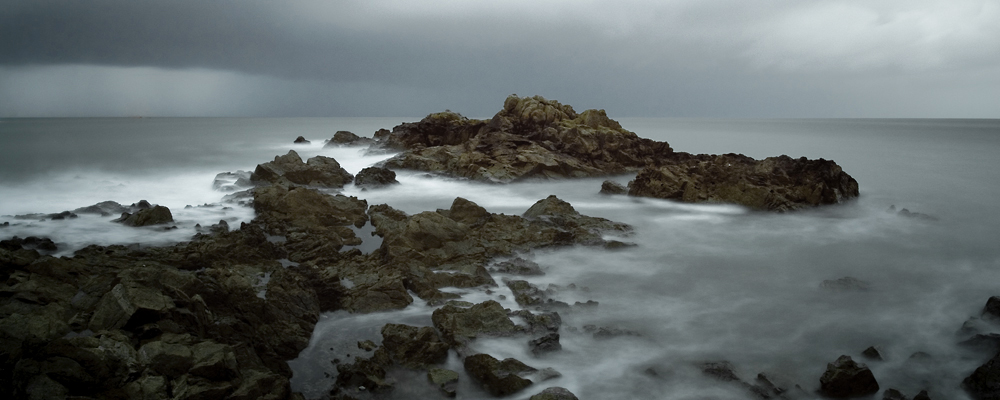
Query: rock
[
  {"x": 554, "y": 393},
  {"x": 232, "y": 181},
  {"x": 315, "y": 224},
  {"x": 131, "y": 305},
  {"x": 542, "y": 323},
  {"x": 604, "y": 332},
  {"x": 721, "y": 370},
  {"x": 846, "y": 378},
  {"x": 365, "y": 374},
  {"x": 301, "y": 140},
  {"x": 413, "y": 347},
  {"x": 30, "y": 243},
  {"x": 545, "y": 344},
  {"x": 773, "y": 184},
  {"x": 525, "y": 294},
  {"x": 529, "y": 137},
  {"x": 149, "y": 216},
  {"x": 518, "y": 266},
  {"x": 345, "y": 138},
  {"x": 367, "y": 345},
  {"x": 444, "y": 379},
  {"x": 289, "y": 169},
  {"x": 500, "y": 378},
  {"x": 375, "y": 177},
  {"x": 922, "y": 396},
  {"x": 845, "y": 284},
  {"x": 991, "y": 311},
  {"x": 169, "y": 359},
  {"x": 984, "y": 382},
  {"x": 893, "y": 394},
  {"x": 459, "y": 325},
  {"x": 612, "y": 187},
  {"x": 873, "y": 353}
]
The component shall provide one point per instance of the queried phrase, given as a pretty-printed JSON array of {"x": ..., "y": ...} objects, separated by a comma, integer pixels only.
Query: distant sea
[{"x": 705, "y": 283}]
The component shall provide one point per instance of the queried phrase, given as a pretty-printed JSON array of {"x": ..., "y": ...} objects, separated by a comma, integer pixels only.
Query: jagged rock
[
  {"x": 545, "y": 344},
  {"x": 413, "y": 347},
  {"x": 148, "y": 216},
  {"x": 604, "y": 332},
  {"x": 518, "y": 266},
  {"x": 301, "y": 140},
  {"x": 846, "y": 378},
  {"x": 525, "y": 294},
  {"x": 444, "y": 379},
  {"x": 721, "y": 370},
  {"x": 773, "y": 184},
  {"x": 458, "y": 325},
  {"x": 500, "y": 378},
  {"x": 375, "y": 177},
  {"x": 289, "y": 169},
  {"x": 984, "y": 382},
  {"x": 232, "y": 181},
  {"x": 529, "y": 137},
  {"x": 554, "y": 393},
  {"x": 365, "y": 374},
  {"x": 873, "y": 353},
  {"x": 169, "y": 359},
  {"x": 893, "y": 394},
  {"x": 29, "y": 243},
  {"x": 315, "y": 224},
  {"x": 541, "y": 323},
  {"x": 922, "y": 396},
  {"x": 345, "y": 138},
  {"x": 845, "y": 284},
  {"x": 129, "y": 305},
  {"x": 991, "y": 311},
  {"x": 612, "y": 187}
]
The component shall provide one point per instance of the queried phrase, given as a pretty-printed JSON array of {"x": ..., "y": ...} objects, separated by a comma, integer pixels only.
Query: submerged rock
[
  {"x": 773, "y": 184},
  {"x": 518, "y": 266},
  {"x": 554, "y": 393},
  {"x": 375, "y": 177},
  {"x": 301, "y": 140},
  {"x": 148, "y": 216},
  {"x": 846, "y": 378},
  {"x": 345, "y": 138},
  {"x": 413, "y": 347},
  {"x": 545, "y": 344},
  {"x": 232, "y": 181},
  {"x": 873, "y": 353},
  {"x": 612, "y": 187},
  {"x": 289, "y": 169},
  {"x": 991, "y": 311},
  {"x": 459, "y": 325},
  {"x": 500, "y": 378},
  {"x": 984, "y": 382},
  {"x": 444, "y": 379}
]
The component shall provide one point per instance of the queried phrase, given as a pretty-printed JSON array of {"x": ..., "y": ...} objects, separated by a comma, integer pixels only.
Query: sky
[{"x": 634, "y": 58}]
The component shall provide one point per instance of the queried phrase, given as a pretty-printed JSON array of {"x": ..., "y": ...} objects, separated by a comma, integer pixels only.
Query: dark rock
[
  {"x": 365, "y": 374},
  {"x": 986, "y": 343},
  {"x": 104, "y": 208},
  {"x": 500, "y": 378},
  {"x": 772, "y": 184},
  {"x": 375, "y": 177},
  {"x": 345, "y": 138},
  {"x": 612, "y": 187},
  {"x": 893, "y": 394},
  {"x": 458, "y": 325},
  {"x": 554, "y": 393},
  {"x": 604, "y": 332},
  {"x": 301, "y": 140},
  {"x": 518, "y": 266},
  {"x": 367, "y": 345},
  {"x": 444, "y": 379},
  {"x": 991, "y": 311},
  {"x": 147, "y": 216},
  {"x": 721, "y": 370},
  {"x": 846, "y": 378},
  {"x": 525, "y": 294},
  {"x": 873, "y": 353},
  {"x": 922, "y": 396},
  {"x": 289, "y": 169},
  {"x": 845, "y": 284},
  {"x": 984, "y": 382},
  {"x": 541, "y": 323},
  {"x": 545, "y": 344},
  {"x": 413, "y": 347}
]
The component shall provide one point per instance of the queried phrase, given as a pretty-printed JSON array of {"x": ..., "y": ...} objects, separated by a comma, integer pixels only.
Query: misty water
[{"x": 704, "y": 283}]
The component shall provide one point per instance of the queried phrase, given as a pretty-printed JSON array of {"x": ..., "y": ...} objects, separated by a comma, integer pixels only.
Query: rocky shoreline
[{"x": 219, "y": 316}]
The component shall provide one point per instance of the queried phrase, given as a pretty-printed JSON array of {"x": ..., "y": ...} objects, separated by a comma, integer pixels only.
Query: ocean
[{"x": 705, "y": 283}]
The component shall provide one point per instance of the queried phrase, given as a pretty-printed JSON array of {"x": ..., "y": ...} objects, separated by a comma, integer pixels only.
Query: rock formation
[{"x": 290, "y": 170}]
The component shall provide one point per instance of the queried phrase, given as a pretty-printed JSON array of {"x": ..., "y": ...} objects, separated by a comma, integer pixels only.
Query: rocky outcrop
[
  {"x": 289, "y": 169},
  {"x": 313, "y": 224},
  {"x": 413, "y": 347},
  {"x": 530, "y": 137},
  {"x": 459, "y": 325},
  {"x": 773, "y": 184},
  {"x": 345, "y": 138},
  {"x": 500, "y": 378},
  {"x": 444, "y": 379},
  {"x": 151, "y": 216},
  {"x": 232, "y": 181},
  {"x": 301, "y": 140},
  {"x": 554, "y": 393},
  {"x": 612, "y": 187},
  {"x": 375, "y": 177},
  {"x": 846, "y": 378},
  {"x": 984, "y": 382}
]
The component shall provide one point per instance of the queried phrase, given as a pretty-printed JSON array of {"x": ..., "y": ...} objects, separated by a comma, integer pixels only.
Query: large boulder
[
  {"x": 984, "y": 382},
  {"x": 773, "y": 184},
  {"x": 846, "y": 378},
  {"x": 151, "y": 216},
  {"x": 554, "y": 393},
  {"x": 346, "y": 138},
  {"x": 529, "y": 137},
  {"x": 458, "y": 325},
  {"x": 375, "y": 177},
  {"x": 414, "y": 347},
  {"x": 500, "y": 378},
  {"x": 289, "y": 169}
]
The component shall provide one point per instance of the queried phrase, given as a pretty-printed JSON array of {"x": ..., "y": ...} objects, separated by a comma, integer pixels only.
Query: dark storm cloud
[{"x": 681, "y": 58}]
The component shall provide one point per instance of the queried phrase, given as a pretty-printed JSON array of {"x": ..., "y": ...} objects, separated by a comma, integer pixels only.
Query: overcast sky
[{"x": 678, "y": 58}]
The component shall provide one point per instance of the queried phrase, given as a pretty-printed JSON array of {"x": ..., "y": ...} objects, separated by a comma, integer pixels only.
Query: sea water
[{"x": 704, "y": 283}]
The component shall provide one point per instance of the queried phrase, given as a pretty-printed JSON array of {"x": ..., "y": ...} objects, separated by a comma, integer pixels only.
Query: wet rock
[
  {"x": 525, "y": 294},
  {"x": 721, "y": 370},
  {"x": 168, "y": 359},
  {"x": 413, "y": 347},
  {"x": 145, "y": 217},
  {"x": 846, "y": 378},
  {"x": 873, "y": 353},
  {"x": 301, "y": 140},
  {"x": 545, "y": 344},
  {"x": 604, "y": 332},
  {"x": 315, "y": 224},
  {"x": 345, "y": 138},
  {"x": 922, "y": 396},
  {"x": 554, "y": 393},
  {"x": 189, "y": 387},
  {"x": 232, "y": 181},
  {"x": 909, "y": 214},
  {"x": 500, "y": 378},
  {"x": 893, "y": 394},
  {"x": 772, "y": 184},
  {"x": 364, "y": 374},
  {"x": 444, "y": 379},
  {"x": 375, "y": 177},
  {"x": 984, "y": 382},
  {"x": 518, "y": 266},
  {"x": 459, "y": 325},
  {"x": 29, "y": 243},
  {"x": 612, "y": 187},
  {"x": 540, "y": 323},
  {"x": 289, "y": 169},
  {"x": 845, "y": 284},
  {"x": 530, "y": 137},
  {"x": 131, "y": 305},
  {"x": 986, "y": 343},
  {"x": 367, "y": 345},
  {"x": 991, "y": 311}
]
